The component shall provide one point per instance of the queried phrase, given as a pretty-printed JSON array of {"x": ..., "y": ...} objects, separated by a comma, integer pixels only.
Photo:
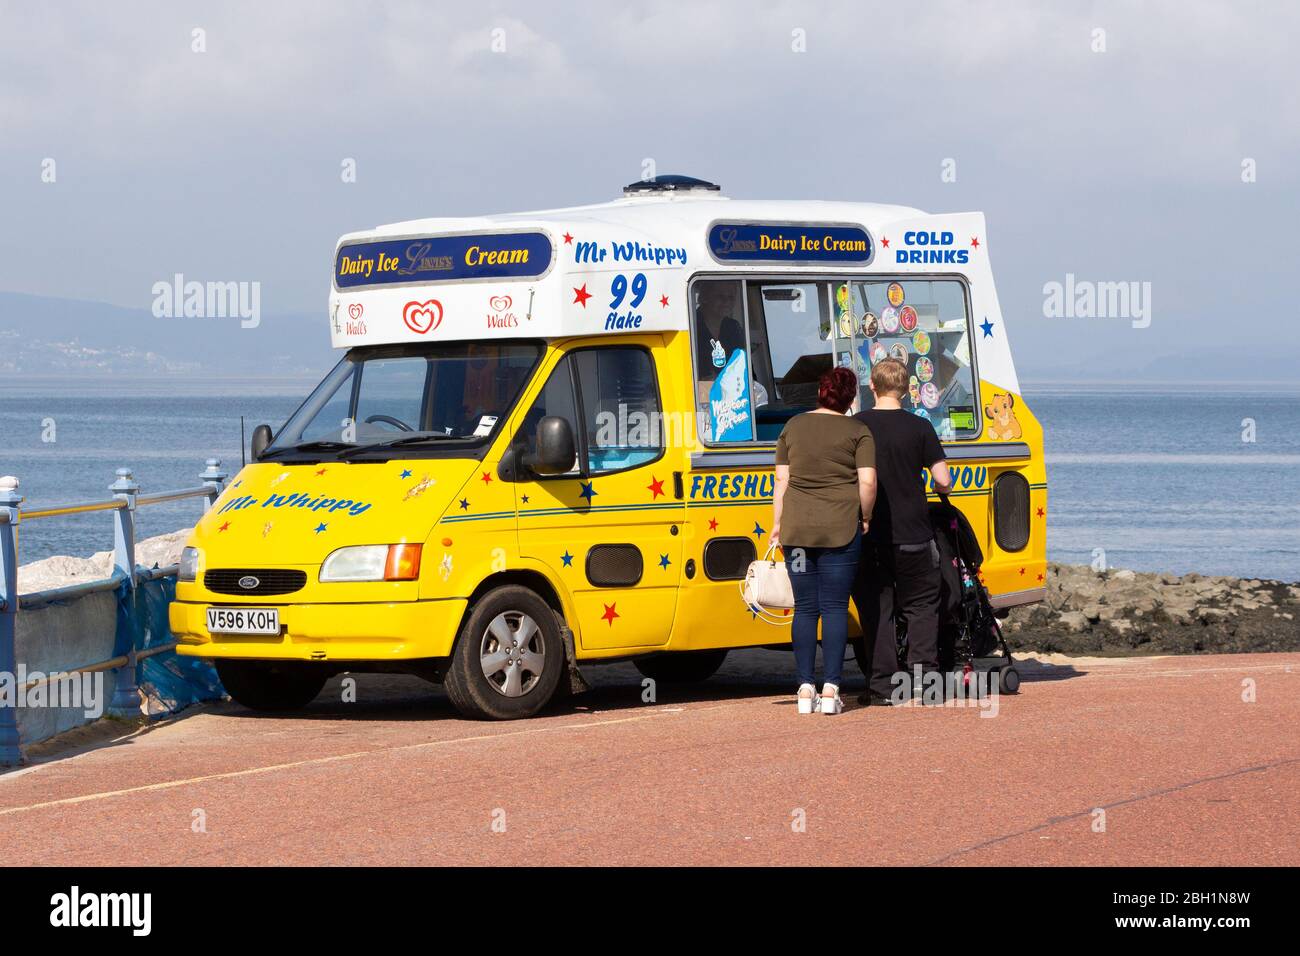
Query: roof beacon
[{"x": 669, "y": 184}]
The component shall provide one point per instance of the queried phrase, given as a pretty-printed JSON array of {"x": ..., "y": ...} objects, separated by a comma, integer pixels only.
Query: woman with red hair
[{"x": 825, "y": 490}]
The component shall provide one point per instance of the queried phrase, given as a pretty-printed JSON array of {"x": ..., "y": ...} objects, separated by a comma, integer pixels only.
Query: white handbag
[{"x": 766, "y": 589}]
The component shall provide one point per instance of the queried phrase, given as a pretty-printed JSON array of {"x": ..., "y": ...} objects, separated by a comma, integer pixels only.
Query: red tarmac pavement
[{"x": 1184, "y": 769}]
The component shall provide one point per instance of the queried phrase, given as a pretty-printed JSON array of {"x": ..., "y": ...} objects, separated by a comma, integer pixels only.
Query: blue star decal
[
  {"x": 320, "y": 527},
  {"x": 567, "y": 559},
  {"x": 406, "y": 473},
  {"x": 987, "y": 326},
  {"x": 524, "y": 499},
  {"x": 758, "y": 531},
  {"x": 464, "y": 504},
  {"x": 664, "y": 562},
  {"x": 587, "y": 492}
]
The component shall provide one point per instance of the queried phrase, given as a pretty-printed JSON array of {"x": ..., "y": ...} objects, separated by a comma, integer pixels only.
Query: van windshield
[{"x": 415, "y": 398}]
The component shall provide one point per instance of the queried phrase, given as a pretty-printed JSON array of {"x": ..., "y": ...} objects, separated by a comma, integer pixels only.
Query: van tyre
[
  {"x": 509, "y": 658},
  {"x": 681, "y": 667},
  {"x": 270, "y": 685}
]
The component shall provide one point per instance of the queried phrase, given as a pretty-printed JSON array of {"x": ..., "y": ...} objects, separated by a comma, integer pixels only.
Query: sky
[{"x": 1103, "y": 140}]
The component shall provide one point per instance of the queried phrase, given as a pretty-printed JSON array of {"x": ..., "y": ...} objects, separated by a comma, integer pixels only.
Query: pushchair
[{"x": 970, "y": 638}]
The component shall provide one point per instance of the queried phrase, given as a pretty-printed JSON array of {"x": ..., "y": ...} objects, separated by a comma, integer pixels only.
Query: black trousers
[{"x": 897, "y": 583}]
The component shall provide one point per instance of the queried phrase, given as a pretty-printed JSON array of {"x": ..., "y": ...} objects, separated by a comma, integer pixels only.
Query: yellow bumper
[{"x": 329, "y": 632}]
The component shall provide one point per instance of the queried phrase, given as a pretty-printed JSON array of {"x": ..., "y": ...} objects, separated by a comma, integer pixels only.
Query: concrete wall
[{"x": 58, "y": 637}]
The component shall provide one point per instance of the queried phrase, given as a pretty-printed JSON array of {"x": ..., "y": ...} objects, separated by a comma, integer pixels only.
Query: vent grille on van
[
  {"x": 268, "y": 580},
  {"x": 614, "y": 565},
  {"x": 728, "y": 559},
  {"x": 1011, "y": 511}
]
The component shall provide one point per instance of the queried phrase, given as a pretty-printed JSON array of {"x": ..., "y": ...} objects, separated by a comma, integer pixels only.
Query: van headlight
[
  {"x": 372, "y": 562},
  {"x": 189, "y": 566}
]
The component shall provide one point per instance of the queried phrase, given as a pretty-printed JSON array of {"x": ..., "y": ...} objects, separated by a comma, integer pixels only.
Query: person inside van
[
  {"x": 719, "y": 333},
  {"x": 825, "y": 490},
  {"x": 898, "y": 578}
]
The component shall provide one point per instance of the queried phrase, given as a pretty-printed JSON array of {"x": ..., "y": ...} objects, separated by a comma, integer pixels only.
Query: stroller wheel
[{"x": 1009, "y": 680}]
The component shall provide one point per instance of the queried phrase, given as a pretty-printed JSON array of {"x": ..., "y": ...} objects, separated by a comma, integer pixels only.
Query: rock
[
  {"x": 1125, "y": 574},
  {"x": 1092, "y": 612},
  {"x": 61, "y": 570},
  {"x": 1073, "y": 621}
]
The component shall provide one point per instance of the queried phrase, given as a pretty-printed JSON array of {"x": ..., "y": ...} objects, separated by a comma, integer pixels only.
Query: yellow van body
[{"x": 483, "y": 523}]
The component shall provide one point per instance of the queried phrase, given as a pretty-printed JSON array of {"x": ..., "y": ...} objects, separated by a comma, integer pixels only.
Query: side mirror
[
  {"x": 261, "y": 438},
  {"x": 556, "y": 448}
]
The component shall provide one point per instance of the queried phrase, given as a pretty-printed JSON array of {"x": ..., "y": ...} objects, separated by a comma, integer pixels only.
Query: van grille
[
  {"x": 728, "y": 559},
  {"x": 1011, "y": 511},
  {"x": 269, "y": 580},
  {"x": 614, "y": 565}
]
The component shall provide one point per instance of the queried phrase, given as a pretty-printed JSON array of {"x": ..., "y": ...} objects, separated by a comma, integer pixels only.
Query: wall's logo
[
  {"x": 355, "y": 324},
  {"x": 501, "y": 317},
  {"x": 422, "y": 317},
  {"x": 249, "y": 583}
]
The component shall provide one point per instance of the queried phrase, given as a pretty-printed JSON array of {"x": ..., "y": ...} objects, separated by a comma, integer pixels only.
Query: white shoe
[
  {"x": 830, "y": 700},
  {"x": 808, "y": 699}
]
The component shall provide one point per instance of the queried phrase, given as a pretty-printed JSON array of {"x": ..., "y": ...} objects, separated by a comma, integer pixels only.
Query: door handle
[{"x": 678, "y": 489}]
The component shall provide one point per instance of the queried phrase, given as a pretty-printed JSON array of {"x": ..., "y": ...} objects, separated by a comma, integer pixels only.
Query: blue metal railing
[{"x": 126, "y": 499}]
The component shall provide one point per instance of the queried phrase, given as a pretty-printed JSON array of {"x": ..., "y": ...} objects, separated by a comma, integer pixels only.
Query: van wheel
[
  {"x": 508, "y": 658},
  {"x": 681, "y": 667},
  {"x": 270, "y": 685}
]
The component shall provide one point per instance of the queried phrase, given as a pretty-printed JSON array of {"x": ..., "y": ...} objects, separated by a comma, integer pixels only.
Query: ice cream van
[{"x": 549, "y": 441}]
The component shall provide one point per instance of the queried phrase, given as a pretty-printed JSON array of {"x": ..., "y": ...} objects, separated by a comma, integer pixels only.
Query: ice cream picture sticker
[
  {"x": 870, "y": 325},
  {"x": 895, "y": 294},
  {"x": 889, "y": 320},
  {"x": 907, "y": 318}
]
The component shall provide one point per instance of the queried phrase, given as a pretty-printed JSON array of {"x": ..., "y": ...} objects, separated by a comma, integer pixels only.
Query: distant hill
[{"x": 41, "y": 336}]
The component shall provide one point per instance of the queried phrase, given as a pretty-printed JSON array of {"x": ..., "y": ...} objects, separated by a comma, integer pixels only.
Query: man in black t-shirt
[{"x": 898, "y": 577}]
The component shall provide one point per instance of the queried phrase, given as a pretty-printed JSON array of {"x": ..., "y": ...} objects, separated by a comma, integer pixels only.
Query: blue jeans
[{"x": 821, "y": 579}]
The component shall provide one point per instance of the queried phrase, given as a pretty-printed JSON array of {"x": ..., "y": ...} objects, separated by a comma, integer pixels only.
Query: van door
[{"x": 610, "y": 529}]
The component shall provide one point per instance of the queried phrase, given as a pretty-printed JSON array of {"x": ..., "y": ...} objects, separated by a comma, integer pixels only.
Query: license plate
[{"x": 243, "y": 620}]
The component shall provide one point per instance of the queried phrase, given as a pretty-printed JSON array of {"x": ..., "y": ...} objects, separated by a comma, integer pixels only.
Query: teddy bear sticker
[{"x": 1000, "y": 411}]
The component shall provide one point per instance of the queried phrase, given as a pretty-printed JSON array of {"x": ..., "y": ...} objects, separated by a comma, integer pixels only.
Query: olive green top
[{"x": 821, "y": 508}]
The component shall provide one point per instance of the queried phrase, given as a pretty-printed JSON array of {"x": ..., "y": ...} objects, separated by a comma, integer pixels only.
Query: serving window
[{"x": 761, "y": 345}]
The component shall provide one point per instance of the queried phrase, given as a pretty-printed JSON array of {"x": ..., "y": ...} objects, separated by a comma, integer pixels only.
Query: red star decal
[
  {"x": 975, "y": 241},
  {"x": 1041, "y": 512},
  {"x": 610, "y": 613},
  {"x": 487, "y": 478},
  {"x": 224, "y": 526},
  {"x": 580, "y": 296},
  {"x": 884, "y": 243},
  {"x": 663, "y": 301},
  {"x": 713, "y": 524},
  {"x": 321, "y": 471},
  {"x": 656, "y": 487},
  {"x": 1022, "y": 570},
  {"x": 1040, "y": 577},
  {"x": 568, "y": 239}
]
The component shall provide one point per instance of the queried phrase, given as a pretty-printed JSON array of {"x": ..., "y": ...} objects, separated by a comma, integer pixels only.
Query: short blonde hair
[{"x": 889, "y": 376}]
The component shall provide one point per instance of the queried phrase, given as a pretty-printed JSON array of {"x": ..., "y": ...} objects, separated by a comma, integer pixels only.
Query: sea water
[{"x": 1146, "y": 477}]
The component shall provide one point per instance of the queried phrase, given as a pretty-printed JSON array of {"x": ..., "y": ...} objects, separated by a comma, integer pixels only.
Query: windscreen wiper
[
  {"x": 394, "y": 442},
  {"x": 324, "y": 445}
]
